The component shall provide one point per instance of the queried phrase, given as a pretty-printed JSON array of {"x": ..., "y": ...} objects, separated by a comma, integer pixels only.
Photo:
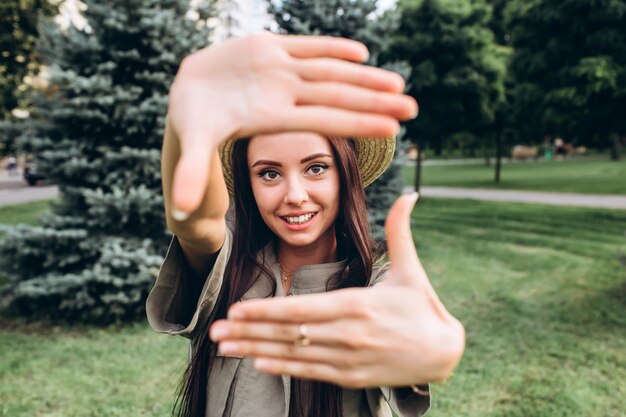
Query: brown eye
[
  {"x": 269, "y": 175},
  {"x": 318, "y": 169}
]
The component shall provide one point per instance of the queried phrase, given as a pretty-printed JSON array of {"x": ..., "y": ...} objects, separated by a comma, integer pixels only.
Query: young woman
[{"x": 299, "y": 227}]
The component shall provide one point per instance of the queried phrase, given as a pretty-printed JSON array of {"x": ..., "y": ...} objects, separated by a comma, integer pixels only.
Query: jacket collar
[{"x": 306, "y": 279}]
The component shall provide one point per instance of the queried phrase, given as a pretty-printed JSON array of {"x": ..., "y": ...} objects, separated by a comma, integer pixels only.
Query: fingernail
[
  {"x": 218, "y": 333},
  {"x": 228, "y": 347},
  {"x": 179, "y": 215},
  {"x": 263, "y": 364},
  {"x": 413, "y": 195},
  {"x": 235, "y": 314},
  {"x": 415, "y": 113}
]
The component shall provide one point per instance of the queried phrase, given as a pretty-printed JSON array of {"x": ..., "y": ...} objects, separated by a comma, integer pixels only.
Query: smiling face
[{"x": 295, "y": 183}]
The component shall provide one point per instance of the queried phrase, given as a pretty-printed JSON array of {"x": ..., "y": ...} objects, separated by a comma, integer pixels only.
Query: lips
[
  {"x": 295, "y": 220},
  {"x": 303, "y": 218}
]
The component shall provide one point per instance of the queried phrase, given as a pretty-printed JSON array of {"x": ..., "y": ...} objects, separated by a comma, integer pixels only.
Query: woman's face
[{"x": 295, "y": 183}]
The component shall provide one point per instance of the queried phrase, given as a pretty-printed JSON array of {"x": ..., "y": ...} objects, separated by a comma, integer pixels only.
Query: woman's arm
[{"x": 200, "y": 234}]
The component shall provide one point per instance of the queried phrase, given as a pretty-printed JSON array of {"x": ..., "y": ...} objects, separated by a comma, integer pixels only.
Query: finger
[
  {"x": 321, "y": 333},
  {"x": 196, "y": 132},
  {"x": 232, "y": 330},
  {"x": 333, "y": 356},
  {"x": 324, "y": 46},
  {"x": 338, "y": 122},
  {"x": 405, "y": 265},
  {"x": 406, "y": 268},
  {"x": 312, "y": 371},
  {"x": 299, "y": 369},
  {"x": 324, "y": 69},
  {"x": 315, "y": 308},
  {"x": 357, "y": 99}
]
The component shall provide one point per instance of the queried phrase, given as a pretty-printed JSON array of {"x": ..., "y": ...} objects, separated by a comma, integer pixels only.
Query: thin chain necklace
[{"x": 285, "y": 275}]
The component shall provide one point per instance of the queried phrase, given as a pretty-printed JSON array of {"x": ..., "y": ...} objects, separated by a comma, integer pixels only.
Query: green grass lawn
[
  {"x": 24, "y": 213},
  {"x": 541, "y": 291},
  {"x": 80, "y": 372},
  {"x": 593, "y": 175}
]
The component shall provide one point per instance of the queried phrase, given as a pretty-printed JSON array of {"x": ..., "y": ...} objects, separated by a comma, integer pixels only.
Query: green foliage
[
  {"x": 498, "y": 23},
  {"x": 354, "y": 19},
  {"x": 97, "y": 132},
  {"x": 457, "y": 69},
  {"x": 18, "y": 37},
  {"x": 569, "y": 67},
  {"x": 18, "y": 58},
  {"x": 21, "y": 213}
]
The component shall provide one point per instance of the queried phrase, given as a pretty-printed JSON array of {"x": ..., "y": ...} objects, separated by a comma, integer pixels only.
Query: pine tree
[
  {"x": 97, "y": 133},
  {"x": 354, "y": 19}
]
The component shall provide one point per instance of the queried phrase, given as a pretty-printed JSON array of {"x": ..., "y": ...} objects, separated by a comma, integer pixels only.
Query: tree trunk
[
  {"x": 438, "y": 147},
  {"x": 616, "y": 148},
  {"x": 487, "y": 156},
  {"x": 498, "y": 155},
  {"x": 418, "y": 169}
]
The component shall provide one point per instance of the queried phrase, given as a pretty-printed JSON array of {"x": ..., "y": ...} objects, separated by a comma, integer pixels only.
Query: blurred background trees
[
  {"x": 96, "y": 130},
  {"x": 488, "y": 74},
  {"x": 19, "y": 59},
  {"x": 569, "y": 70},
  {"x": 457, "y": 70}
]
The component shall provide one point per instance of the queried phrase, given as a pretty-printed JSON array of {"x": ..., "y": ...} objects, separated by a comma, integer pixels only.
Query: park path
[
  {"x": 13, "y": 190},
  {"x": 533, "y": 197}
]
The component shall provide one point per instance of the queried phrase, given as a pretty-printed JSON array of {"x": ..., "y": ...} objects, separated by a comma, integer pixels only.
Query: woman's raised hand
[
  {"x": 393, "y": 334},
  {"x": 267, "y": 83}
]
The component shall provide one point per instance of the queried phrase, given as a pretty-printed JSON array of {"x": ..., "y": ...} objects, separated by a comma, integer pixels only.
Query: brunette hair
[{"x": 251, "y": 235}]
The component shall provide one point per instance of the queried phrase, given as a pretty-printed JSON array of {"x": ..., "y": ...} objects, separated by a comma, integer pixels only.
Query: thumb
[
  {"x": 191, "y": 175},
  {"x": 406, "y": 268}
]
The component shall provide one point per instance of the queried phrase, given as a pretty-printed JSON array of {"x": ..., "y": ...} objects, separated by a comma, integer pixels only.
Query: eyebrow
[{"x": 302, "y": 161}]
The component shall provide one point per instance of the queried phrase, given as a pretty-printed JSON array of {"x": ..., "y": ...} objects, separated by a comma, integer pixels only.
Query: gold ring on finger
[{"x": 303, "y": 336}]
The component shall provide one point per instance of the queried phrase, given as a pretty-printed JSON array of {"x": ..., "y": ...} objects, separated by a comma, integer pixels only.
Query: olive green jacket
[{"x": 236, "y": 389}]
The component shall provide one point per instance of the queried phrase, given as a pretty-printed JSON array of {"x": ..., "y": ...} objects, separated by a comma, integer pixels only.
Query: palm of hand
[
  {"x": 272, "y": 83},
  {"x": 256, "y": 82}
]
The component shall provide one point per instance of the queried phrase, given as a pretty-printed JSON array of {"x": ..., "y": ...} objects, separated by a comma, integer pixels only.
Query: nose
[{"x": 296, "y": 192}]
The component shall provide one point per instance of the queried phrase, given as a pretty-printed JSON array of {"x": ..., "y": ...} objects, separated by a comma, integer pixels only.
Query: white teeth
[{"x": 300, "y": 219}]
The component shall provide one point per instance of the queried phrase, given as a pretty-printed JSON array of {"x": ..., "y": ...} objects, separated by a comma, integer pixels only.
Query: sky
[{"x": 385, "y": 4}]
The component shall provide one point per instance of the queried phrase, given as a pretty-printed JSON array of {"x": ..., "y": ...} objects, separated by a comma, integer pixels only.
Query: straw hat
[{"x": 374, "y": 156}]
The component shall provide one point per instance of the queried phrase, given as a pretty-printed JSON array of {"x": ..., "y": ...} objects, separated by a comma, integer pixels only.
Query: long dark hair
[{"x": 250, "y": 235}]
